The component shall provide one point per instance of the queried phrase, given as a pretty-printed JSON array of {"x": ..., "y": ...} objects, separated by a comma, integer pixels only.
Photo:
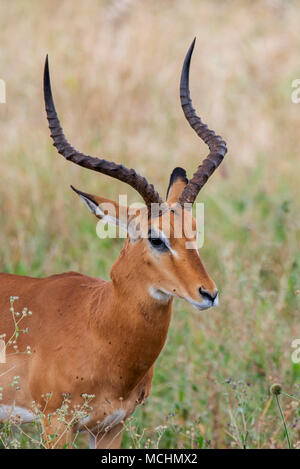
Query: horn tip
[
  {"x": 192, "y": 45},
  {"x": 46, "y": 69}
]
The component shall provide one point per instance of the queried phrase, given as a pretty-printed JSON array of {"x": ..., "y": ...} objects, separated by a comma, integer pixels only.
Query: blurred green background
[{"x": 115, "y": 74}]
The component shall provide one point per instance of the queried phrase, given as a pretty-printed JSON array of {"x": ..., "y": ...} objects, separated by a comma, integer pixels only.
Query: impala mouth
[
  {"x": 205, "y": 304},
  {"x": 164, "y": 296}
]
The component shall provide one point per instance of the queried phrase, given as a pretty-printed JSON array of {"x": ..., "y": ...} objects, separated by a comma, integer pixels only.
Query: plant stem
[
  {"x": 289, "y": 395},
  {"x": 283, "y": 419}
]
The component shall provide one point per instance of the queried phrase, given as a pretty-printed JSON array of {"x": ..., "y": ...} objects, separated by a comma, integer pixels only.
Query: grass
[{"x": 115, "y": 79}]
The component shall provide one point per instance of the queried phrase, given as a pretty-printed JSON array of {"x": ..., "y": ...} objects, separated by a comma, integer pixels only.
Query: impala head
[{"x": 161, "y": 245}]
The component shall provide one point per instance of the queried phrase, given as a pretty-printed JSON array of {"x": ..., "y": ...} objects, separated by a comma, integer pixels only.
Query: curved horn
[
  {"x": 216, "y": 144},
  {"x": 114, "y": 170}
]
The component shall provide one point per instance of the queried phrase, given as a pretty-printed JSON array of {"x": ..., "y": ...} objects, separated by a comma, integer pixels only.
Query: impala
[{"x": 89, "y": 336}]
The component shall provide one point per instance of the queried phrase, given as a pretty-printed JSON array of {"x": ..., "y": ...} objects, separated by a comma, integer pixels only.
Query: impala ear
[
  {"x": 178, "y": 181},
  {"x": 105, "y": 209}
]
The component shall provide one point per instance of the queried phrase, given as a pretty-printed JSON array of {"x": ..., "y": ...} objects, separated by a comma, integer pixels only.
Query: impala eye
[{"x": 157, "y": 243}]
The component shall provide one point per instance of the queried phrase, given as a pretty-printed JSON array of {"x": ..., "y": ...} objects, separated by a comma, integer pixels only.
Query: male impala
[{"x": 102, "y": 338}]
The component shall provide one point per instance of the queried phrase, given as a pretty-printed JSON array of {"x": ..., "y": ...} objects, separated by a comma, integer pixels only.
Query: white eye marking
[
  {"x": 167, "y": 243},
  {"x": 166, "y": 240},
  {"x": 173, "y": 251},
  {"x": 159, "y": 295}
]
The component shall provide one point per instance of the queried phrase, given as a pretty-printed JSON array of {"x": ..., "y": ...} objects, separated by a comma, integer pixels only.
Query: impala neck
[{"x": 133, "y": 323}]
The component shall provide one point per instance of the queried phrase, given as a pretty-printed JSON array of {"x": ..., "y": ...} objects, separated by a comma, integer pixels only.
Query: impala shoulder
[
  {"x": 73, "y": 277},
  {"x": 71, "y": 273}
]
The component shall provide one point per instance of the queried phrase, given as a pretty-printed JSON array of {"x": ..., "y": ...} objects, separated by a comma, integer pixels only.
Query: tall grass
[{"x": 115, "y": 79}]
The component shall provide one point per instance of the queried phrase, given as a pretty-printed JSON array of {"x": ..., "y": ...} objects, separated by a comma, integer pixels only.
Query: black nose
[{"x": 207, "y": 295}]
